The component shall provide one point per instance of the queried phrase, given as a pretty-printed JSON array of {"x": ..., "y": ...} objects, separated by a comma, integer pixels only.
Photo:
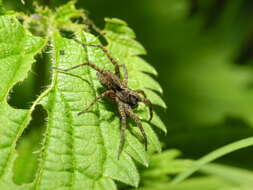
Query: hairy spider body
[
  {"x": 118, "y": 91},
  {"x": 109, "y": 80},
  {"x": 129, "y": 97}
]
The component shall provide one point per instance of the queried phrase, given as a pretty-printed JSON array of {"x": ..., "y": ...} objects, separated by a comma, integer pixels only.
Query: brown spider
[{"x": 117, "y": 89}]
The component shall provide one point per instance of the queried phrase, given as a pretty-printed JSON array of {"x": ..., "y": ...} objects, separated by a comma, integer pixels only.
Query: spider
[{"x": 118, "y": 91}]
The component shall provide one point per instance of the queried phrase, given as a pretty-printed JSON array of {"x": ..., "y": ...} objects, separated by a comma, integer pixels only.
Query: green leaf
[
  {"x": 27, "y": 147},
  {"x": 166, "y": 163},
  {"x": 198, "y": 183},
  {"x": 64, "y": 16},
  {"x": 162, "y": 166},
  {"x": 212, "y": 156},
  {"x": 157, "y": 176},
  {"x": 88, "y": 142},
  {"x": 78, "y": 152},
  {"x": 237, "y": 176},
  {"x": 74, "y": 154},
  {"x": 18, "y": 48}
]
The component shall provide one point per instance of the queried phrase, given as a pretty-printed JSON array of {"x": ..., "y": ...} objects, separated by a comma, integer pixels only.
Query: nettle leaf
[
  {"x": 162, "y": 167},
  {"x": 18, "y": 48},
  {"x": 81, "y": 151},
  {"x": 78, "y": 152}
]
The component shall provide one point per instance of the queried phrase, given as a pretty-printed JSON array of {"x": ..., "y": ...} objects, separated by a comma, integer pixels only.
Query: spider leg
[
  {"x": 137, "y": 120},
  {"x": 122, "y": 125},
  {"x": 73, "y": 75},
  {"x": 113, "y": 61},
  {"x": 141, "y": 92},
  {"x": 104, "y": 94},
  {"x": 125, "y": 79},
  {"x": 149, "y": 104},
  {"x": 80, "y": 65},
  {"x": 146, "y": 102}
]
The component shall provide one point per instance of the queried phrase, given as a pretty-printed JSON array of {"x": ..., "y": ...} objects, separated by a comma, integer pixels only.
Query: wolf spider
[{"x": 117, "y": 89}]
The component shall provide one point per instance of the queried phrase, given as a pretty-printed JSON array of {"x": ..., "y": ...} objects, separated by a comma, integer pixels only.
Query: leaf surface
[
  {"x": 81, "y": 151},
  {"x": 78, "y": 152},
  {"x": 16, "y": 57}
]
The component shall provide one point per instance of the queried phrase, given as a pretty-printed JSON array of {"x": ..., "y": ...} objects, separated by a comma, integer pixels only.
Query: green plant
[
  {"x": 197, "y": 47},
  {"x": 77, "y": 152}
]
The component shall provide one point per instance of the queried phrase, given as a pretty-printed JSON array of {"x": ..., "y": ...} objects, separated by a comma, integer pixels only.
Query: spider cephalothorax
[{"x": 117, "y": 89}]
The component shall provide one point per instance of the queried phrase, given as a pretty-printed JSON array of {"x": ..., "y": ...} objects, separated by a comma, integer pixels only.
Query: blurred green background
[{"x": 203, "y": 52}]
